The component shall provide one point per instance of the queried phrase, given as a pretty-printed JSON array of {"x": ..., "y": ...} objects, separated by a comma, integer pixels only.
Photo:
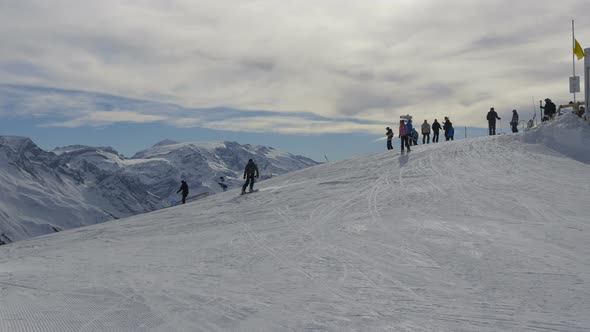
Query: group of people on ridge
[
  {"x": 409, "y": 135},
  {"x": 493, "y": 116},
  {"x": 250, "y": 174}
]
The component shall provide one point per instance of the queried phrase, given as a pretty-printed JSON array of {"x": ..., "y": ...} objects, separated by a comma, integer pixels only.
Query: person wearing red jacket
[{"x": 404, "y": 135}]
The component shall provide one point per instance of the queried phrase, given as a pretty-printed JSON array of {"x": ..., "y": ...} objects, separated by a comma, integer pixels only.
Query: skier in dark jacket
[
  {"x": 435, "y": 131},
  {"x": 184, "y": 189},
  {"x": 250, "y": 172},
  {"x": 448, "y": 128},
  {"x": 492, "y": 116},
  {"x": 514, "y": 122}
]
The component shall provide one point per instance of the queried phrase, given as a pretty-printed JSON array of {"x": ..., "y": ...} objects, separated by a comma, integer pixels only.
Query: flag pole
[{"x": 573, "y": 57}]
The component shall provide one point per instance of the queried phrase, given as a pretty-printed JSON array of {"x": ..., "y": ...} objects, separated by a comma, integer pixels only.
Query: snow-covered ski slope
[{"x": 487, "y": 234}]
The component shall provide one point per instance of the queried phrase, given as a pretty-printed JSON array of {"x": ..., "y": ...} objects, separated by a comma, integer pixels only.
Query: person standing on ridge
[
  {"x": 492, "y": 116},
  {"x": 250, "y": 172},
  {"x": 389, "y": 135},
  {"x": 514, "y": 121},
  {"x": 415, "y": 136},
  {"x": 184, "y": 189},
  {"x": 404, "y": 135},
  {"x": 549, "y": 110},
  {"x": 425, "y": 132},
  {"x": 410, "y": 127},
  {"x": 435, "y": 131},
  {"x": 447, "y": 126}
]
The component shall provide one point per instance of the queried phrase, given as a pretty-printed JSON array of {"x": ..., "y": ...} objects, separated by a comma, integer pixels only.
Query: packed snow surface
[
  {"x": 44, "y": 192},
  {"x": 488, "y": 234}
]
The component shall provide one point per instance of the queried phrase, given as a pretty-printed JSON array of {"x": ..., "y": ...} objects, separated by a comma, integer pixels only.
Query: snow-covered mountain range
[
  {"x": 46, "y": 191},
  {"x": 485, "y": 234}
]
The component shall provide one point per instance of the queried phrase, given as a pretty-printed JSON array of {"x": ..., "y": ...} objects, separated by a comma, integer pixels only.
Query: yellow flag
[{"x": 578, "y": 50}]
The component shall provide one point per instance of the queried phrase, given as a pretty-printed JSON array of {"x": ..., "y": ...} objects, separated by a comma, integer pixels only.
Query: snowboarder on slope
[
  {"x": 514, "y": 121},
  {"x": 389, "y": 135},
  {"x": 250, "y": 172},
  {"x": 184, "y": 189},
  {"x": 404, "y": 135},
  {"x": 425, "y": 132},
  {"x": 491, "y": 117},
  {"x": 221, "y": 183},
  {"x": 435, "y": 131}
]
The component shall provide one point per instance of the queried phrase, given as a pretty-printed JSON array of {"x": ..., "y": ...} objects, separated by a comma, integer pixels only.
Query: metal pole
[
  {"x": 573, "y": 56},
  {"x": 587, "y": 82},
  {"x": 534, "y": 108}
]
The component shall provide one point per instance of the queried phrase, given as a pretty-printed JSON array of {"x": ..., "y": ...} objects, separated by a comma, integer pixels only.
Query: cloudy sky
[{"x": 288, "y": 67}]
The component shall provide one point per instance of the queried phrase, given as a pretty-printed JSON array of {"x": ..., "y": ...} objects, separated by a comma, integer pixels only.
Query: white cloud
[
  {"x": 371, "y": 60},
  {"x": 291, "y": 125},
  {"x": 101, "y": 118}
]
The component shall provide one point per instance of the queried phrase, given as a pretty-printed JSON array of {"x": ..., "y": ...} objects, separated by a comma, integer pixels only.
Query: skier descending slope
[
  {"x": 184, "y": 189},
  {"x": 250, "y": 172},
  {"x": 221, "y": 183}
]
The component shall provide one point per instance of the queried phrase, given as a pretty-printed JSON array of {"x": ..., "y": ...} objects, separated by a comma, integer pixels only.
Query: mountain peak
[
  {"x": 165, "y": 142},
  {"x": 69, "y": 149},
  {"x": 17, "y": 143}
]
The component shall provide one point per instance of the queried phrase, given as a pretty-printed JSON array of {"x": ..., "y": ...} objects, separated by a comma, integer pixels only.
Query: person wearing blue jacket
[
  {"x": 415, "y": 137},
  {"x": 410, "y": 130},
  {"x": 448, "y": 128},
  {"x": 409, "y": 126}
]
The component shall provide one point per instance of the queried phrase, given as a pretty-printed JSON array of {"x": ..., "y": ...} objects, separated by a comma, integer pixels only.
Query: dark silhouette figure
[
  {"x": 389, "y": 135},
  {"x": 435, "y": 131},
  {"x": 549, "y": 110},
  {"x": 448, "y": 128},
  {"x": 492, "y": 116},
  {"x": 514, "y": 121},
  {"x": 221, "y": 183},
  {"x": 184, "y": 189},
  {"x": 250, "y": 173}
]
